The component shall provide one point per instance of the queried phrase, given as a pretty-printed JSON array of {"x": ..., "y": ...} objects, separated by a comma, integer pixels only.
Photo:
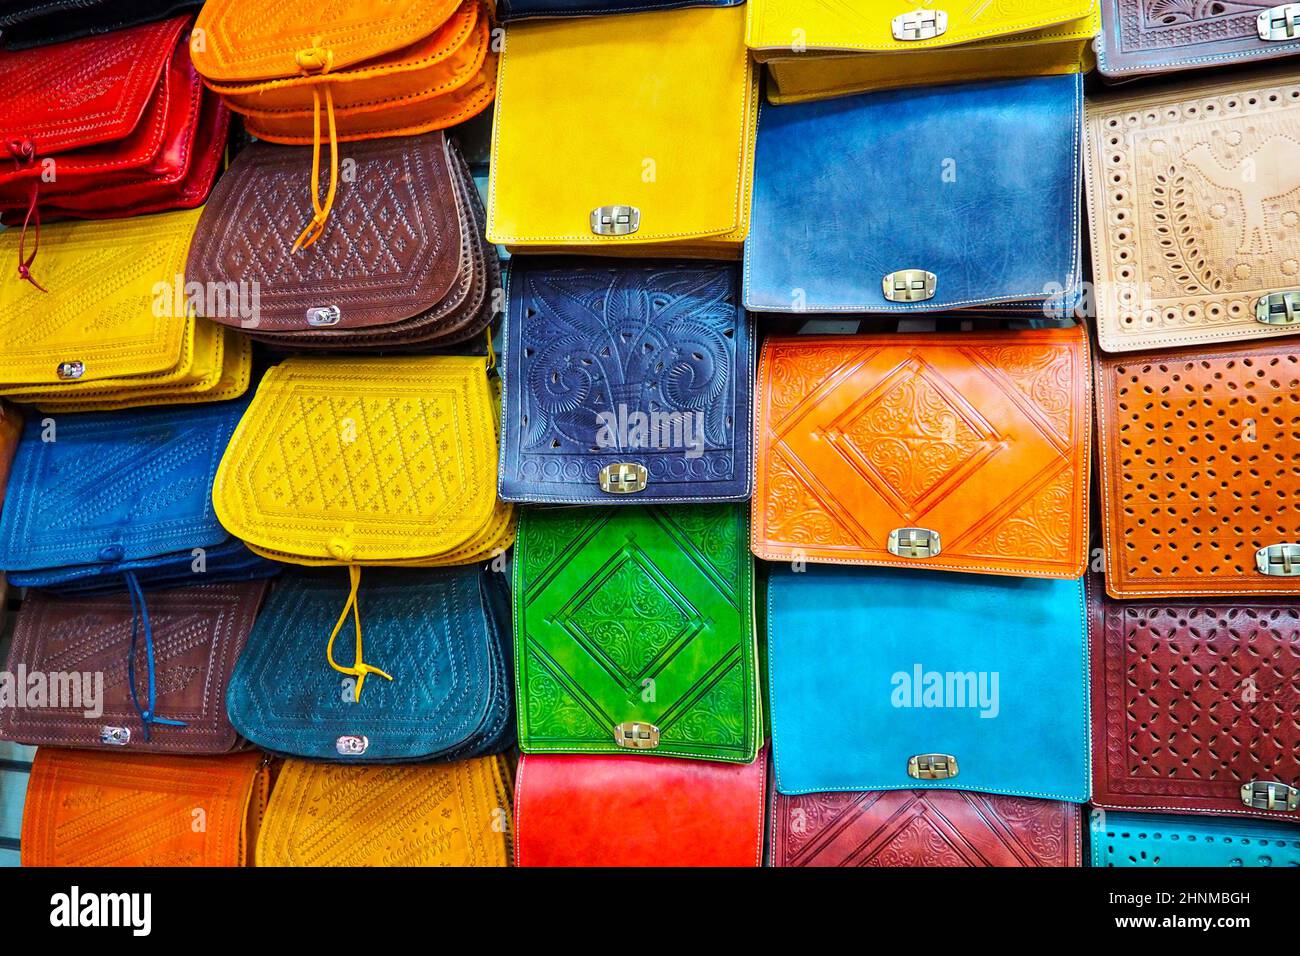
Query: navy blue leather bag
[
  {"x": 520, "y": 9},
  {"x": 625, "y": 383},
  {"x": 920, "y": 199},
  {"x": 441, "y": 633}
]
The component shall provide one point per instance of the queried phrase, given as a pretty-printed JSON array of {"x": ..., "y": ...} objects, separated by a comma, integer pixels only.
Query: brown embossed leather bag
[
  {"x": 923, "y": 828},
  {"x": 402, "y": 261},
  {"x": 1194, "y": 705},
  {"x": 91, "y": 644},
  {"x": 965, "y": 452},
  {"x": 1199, "y": 486}
]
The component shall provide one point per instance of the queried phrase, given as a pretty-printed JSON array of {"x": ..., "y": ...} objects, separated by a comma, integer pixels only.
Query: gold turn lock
[
  {"x": 1279, "y": 560},
  {"x": 615, "y": 220},
  {"x": 914, "y": 543},
  {"x": 910, "y": 285},
  {"x": 932, "y": 767},
  {"x": 635, "y": 735},
  {"x": 623, "y": 479},
  {"x": 1278, "y": 308},
  {"x": 1270, "y": 795}
]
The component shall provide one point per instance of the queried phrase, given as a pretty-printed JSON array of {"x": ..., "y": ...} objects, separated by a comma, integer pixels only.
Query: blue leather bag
[
  {"x": 611, "y": 367},
  {"x": 441, "y": 633},
  {"x": 1175, "y": 839},
  {"x": 888, "y": 679},
  {"x": 520, "y": 9},
  {"x": 857, "y": 199}
]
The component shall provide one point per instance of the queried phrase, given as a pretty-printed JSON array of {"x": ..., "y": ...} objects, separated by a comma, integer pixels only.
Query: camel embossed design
[{"x": 1270, "y": 172}]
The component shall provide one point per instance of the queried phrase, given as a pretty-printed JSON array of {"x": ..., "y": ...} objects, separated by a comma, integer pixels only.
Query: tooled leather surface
[
  {"x": 432, "y": 630},
  {"x": 228, "y": 561},
  {"x": 1197, "y": 452},
  {"x": 430, "y": 815},
  {"x": 1194, "y": 698},
  {"x": 638, "y": 614},
  {"x": 123, "y": 809},
  {"x": 585, "y": 339},
  {"x": 1194, "y": 195},
  {"x": 1152, "y": 839},
  {"x": 1141, "y": 37},
  {"x": 40, "y": 24},
  {"x": 923, "y": 828},
  {"x": 198, "y": 632},
  {"x": 982, "y": 437}
]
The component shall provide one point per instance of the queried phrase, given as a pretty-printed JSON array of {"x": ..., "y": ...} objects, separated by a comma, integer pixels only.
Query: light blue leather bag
[
  {"x": 1155, "y": 839},
  {"x": 887, "y": 679}
]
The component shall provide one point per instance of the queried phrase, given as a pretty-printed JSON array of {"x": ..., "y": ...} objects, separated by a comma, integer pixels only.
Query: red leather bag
[{"x": 615, "y": 810}]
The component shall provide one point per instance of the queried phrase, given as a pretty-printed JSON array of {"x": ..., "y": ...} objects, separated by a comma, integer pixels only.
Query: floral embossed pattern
[{"x": 1143, "y": 37}]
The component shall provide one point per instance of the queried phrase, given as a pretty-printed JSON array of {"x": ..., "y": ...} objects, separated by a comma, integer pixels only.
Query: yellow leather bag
[
  {"x": 625, "y": 135},
  {"x": 817, "y": 50},
  {"x": 455, "y": 814},
  {"x": 115, "y": 330}
]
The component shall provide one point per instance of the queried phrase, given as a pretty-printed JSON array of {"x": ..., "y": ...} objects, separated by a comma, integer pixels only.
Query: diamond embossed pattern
[{"x": 1198, "y": 469}]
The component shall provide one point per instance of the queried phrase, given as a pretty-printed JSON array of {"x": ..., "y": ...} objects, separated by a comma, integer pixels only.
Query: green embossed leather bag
[{"x": 634, "y": 632}]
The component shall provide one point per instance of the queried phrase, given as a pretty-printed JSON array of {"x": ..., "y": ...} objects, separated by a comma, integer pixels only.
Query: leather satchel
[
  {"x": 928, "y": 828},
  {"x": 11, "y": 430},
  {"x": 124, "y": 809},
  {"x": 402, "y": 262},
  {"x": 198, "y": 633},
  {"x": 634, "y": 633},
  {"x": 30, "y": 23},
  {"x": 666, "y": 812},
  {"x": 659, "y": 111},
  {"x": 1198, "y": 476},
  {"x": 815, "y": 50},
  {"x": 1153, "y": 839},
  {"x": 1142, "y": 38},
  {"x": 939, "y": 198},
  {"x": 885, "y": 679},
  {"x": 625, "y": 383},
  {"x": 452, "y": 815},
  {"x": 1194, "y": 706},
  {"x": 522, "y": 9},
  {"x": 1194, "y": 203},
  {"x": 440, "y": 632},
  {"x": 963, "y": 452},
  {"x": 115, "y": 331}
]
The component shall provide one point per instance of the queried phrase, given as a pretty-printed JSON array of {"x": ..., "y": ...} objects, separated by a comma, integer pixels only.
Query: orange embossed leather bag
[
  {"x": 127, "y": 809},
  {"x": 962, "y": 452}
]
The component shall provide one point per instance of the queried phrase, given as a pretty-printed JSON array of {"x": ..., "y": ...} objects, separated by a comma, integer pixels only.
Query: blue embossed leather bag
[
  {"x": 929, "y": 198},
  {"x": 441, "y": 633},
  {"x": 520, "y": 9},
  {"x": 1160, "y": 839},
  {"x": 888, "y": 679},
  {"x": 625, "y": 383}
]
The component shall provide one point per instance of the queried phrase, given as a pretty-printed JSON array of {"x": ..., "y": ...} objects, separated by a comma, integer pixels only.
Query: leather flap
[
  {"x": 977, "y": 184},
  {"x": 1194, "y": 203},
  {"x": 198, "y": 633},
  {"x": 869, "y": 25},
  {"x": 1214, "y": 431},
  {"x": 366, "y": 461},
  {"x": 658, "y": 111},
  {"x": 109, "y": 487},
  {"x": 626, "y": 363},
  {"x": 40, "y": 23},
  {"x": 436, "y": 631},
  {"x": 981, "y": 438},
  {"x": 229, "y": 560},
  {"x": 121, "y": 809},
  {"x": 991, "y": 673},
  {"x": 636, "y": 615},
  {"x": 451, "y": 815},
  {"x": 244, "y": 40},
  {"x": 1162, "y": 839},
  {"x": 912, "y": 828},
  {"x": 1141, "y": 37},
  {"x": 520, "y": 9},
  {"x": 11, "y": 430},
  {"x": 103, "y": 308},
  {"x": 594, "y": 810},
  {"x": 391, "y": 249}
]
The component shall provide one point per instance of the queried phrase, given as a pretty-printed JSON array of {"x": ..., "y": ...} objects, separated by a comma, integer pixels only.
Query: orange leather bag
[
  {"x": 131, "y": 809},
  {"x": 374, "y": 68},
  {"x": 962, "y": 452},
  {"x": 1199, "y": 484}
]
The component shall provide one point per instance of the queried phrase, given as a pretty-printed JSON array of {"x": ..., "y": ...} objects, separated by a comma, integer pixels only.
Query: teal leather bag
[{"x": 1155, "y": 839}]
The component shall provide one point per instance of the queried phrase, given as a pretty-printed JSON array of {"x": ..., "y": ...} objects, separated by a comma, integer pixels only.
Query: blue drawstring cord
[{"x": 140, "y": 615}]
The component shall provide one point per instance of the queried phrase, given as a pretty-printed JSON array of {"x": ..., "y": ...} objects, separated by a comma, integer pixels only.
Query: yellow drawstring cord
[
  {"x": 318, "y": 61},
  {"x": 359, "y": 668},
  {"x": 491, "y": 352}
]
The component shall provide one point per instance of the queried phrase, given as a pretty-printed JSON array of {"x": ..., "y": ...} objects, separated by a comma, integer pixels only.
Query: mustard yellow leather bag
[
  {"x": 114, "y": 330},
  {"x": 625, "y": 135},
  {"x": 817, "y": 50}
]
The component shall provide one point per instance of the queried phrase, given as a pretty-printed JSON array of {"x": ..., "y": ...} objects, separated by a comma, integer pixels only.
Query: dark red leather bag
[
  {"x": 1196, "y": 705},
  {"x": 923, "y": 828},
  {"x": 616, "y": 810}
]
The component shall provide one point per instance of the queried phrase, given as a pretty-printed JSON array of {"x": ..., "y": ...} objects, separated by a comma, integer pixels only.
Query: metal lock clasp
[
  {"x": 115, "y": 736},
  {"x": 634, "y": 735},
  {"x": 1270, "y": 795},
  {"x": 1279, "y": 560},
  {"x": 615, "y": 220},
  {"x": 1280, "y": 23},
  {"x": 352, "y": 745},
  {"x": 920, "y": 25},
  {"x": 932, "y": 767},
  {"x": 910, "y": 285},
  {"x": 914, "y": 543},
  {"x": 70, "y": 371},
  {"x": 1278, "y": 308},
  {"x": 324, "y": 315},
  {"x": 623, "y": 479}
]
